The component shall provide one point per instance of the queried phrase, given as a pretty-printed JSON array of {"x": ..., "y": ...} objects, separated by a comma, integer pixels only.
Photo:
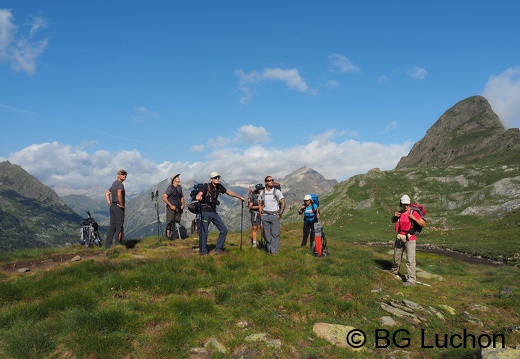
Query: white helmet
[{"x": 405, "y": 199}]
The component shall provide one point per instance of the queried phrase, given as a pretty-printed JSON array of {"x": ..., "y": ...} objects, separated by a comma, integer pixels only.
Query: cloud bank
[{"x": 58, "y": 164}]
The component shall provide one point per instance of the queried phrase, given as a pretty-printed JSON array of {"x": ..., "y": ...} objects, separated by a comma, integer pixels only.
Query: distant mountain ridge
[
  {"x": 142, "y": 213},
  {"x": 32, "y": 214},
  {"x": 466, "y": 165}
]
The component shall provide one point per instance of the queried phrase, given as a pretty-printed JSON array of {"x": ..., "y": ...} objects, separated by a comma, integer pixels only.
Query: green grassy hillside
[
  {"x": 162, "y": 300},
  {"x": 470, "y": 209}
]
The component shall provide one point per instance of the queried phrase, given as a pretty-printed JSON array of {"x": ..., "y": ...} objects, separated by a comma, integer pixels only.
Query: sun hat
[{"x": 405, "y": 199}]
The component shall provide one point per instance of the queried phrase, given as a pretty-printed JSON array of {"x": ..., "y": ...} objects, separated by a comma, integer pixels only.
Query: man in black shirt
[
  {"x": 115, "y": 197},
  {"x": 208, "y": 196}
]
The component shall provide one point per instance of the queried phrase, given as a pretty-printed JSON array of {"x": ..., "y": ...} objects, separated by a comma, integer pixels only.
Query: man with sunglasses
[
  {"x": 272, "y": 206},
  {"x": 115, "y": 197},
  {"x": 208, "y": 197}
]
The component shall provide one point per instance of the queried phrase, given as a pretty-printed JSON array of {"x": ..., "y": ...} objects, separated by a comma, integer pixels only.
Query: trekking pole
[
  {"x": 421, "y": 283},
  {"x": 155, "y": 200},
  {"x": 178, "y": 226},
  {"x": 199, "y": 224},
  {"x": 241, "y": 221}
]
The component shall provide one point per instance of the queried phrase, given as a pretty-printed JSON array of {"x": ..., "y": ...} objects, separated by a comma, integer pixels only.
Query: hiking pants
[
  {"x": 117, "y": 220},
  {"x": 271, "y": 224},
  {"x": 207, "y": 218},
  {"x": 399, "y": 248},
  {"x": 308, "y": 228},
  {"x": 173, "y": 216}
]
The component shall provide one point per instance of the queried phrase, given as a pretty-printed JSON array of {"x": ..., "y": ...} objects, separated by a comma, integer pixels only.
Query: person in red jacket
[{"x": 405, "y": 221}]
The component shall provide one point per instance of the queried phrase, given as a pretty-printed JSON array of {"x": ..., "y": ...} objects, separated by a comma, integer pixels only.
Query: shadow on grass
[
  {"x": 130, "y": 243},
  {"x": 383, "y": 264}
]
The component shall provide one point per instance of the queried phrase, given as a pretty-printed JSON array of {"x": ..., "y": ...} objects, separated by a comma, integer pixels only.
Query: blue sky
[{"x": 245, "y": 88}]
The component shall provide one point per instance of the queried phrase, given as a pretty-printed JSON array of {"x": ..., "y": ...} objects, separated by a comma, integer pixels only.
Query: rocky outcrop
[{"x": 468, "y": 133}]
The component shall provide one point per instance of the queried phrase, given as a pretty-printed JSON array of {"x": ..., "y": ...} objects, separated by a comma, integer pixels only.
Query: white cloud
[
  {"x": 417, "y": 73},
  {"x": 197, "y": 148},
  {"x": 391, "y": 126},
  {"x": 503, "y": 93},
  {"x": 37, "y": 24},
  {"x": 331, "y": 84},
  {"x": 56, "y": 164},
  {"x": 18, "y": 51},
  {"x": 60, "y": 164},
  {"x": 218, "y": 142},
  {"x": 142, "y": 114},
  {"x": 290, "y": 77},
  {"x": 341, "y": 63},
  {"x": 251, "y": 135},
  {"x": 7, "y": 30}
]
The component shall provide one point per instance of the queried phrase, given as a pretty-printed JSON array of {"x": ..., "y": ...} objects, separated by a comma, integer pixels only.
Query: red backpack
[
  {"x": 419, "y": 208},
  {"x": 422, "y": 211}
]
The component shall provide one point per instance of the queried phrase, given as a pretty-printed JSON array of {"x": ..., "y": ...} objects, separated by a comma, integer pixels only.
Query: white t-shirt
[{"x": 270, "y": 200}]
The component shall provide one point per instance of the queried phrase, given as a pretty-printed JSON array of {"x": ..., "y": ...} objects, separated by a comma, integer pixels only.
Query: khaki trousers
[{"x": 399, "y": 248}]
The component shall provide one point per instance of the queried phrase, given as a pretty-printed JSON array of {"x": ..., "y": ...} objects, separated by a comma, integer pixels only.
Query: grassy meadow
[{"x": 161, "y": 299}]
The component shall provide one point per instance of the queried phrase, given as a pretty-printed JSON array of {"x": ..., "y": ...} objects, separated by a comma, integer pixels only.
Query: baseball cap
[
  {"x": 213, "y": 174},
  {"x": 307, "y": 198},
  {"x": 174, "y": 176}
]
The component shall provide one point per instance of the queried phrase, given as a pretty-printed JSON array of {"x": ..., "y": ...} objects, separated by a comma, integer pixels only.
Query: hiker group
[{"x": 266, "y": 204}]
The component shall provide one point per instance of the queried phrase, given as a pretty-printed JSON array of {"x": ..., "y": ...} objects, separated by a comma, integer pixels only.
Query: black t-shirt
[
  {"x": 174, "y": 195},
  {"x": 117, "y": 185},
  {"x": 211, "y": 198}
]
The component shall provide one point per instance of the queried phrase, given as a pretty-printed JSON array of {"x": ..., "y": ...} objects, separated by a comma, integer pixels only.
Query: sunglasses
[
  {"x": 217, "y": 177},
  {"x": 123, "y": 174},
  {"x": 269, "y": 180}
]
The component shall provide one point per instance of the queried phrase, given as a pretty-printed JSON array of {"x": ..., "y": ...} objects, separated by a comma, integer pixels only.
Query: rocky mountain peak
[{"x": 467, "y": 133}]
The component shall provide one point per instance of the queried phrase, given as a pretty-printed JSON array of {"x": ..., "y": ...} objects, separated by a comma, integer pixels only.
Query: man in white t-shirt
[{"x": 272, "y": 206}]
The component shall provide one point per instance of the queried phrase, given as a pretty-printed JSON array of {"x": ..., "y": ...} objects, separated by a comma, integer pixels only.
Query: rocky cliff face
[{"x": 468, "y": 133}]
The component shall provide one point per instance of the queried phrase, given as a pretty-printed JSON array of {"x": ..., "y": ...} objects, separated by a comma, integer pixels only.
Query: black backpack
[{"x": 197, "y": 187}]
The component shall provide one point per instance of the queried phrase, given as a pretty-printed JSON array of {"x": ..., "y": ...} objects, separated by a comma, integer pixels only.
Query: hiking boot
[
  {"x": 220, "y": 251},
  {"x": 203, "y": 253},
  {"x": 408, "y": 284}
]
